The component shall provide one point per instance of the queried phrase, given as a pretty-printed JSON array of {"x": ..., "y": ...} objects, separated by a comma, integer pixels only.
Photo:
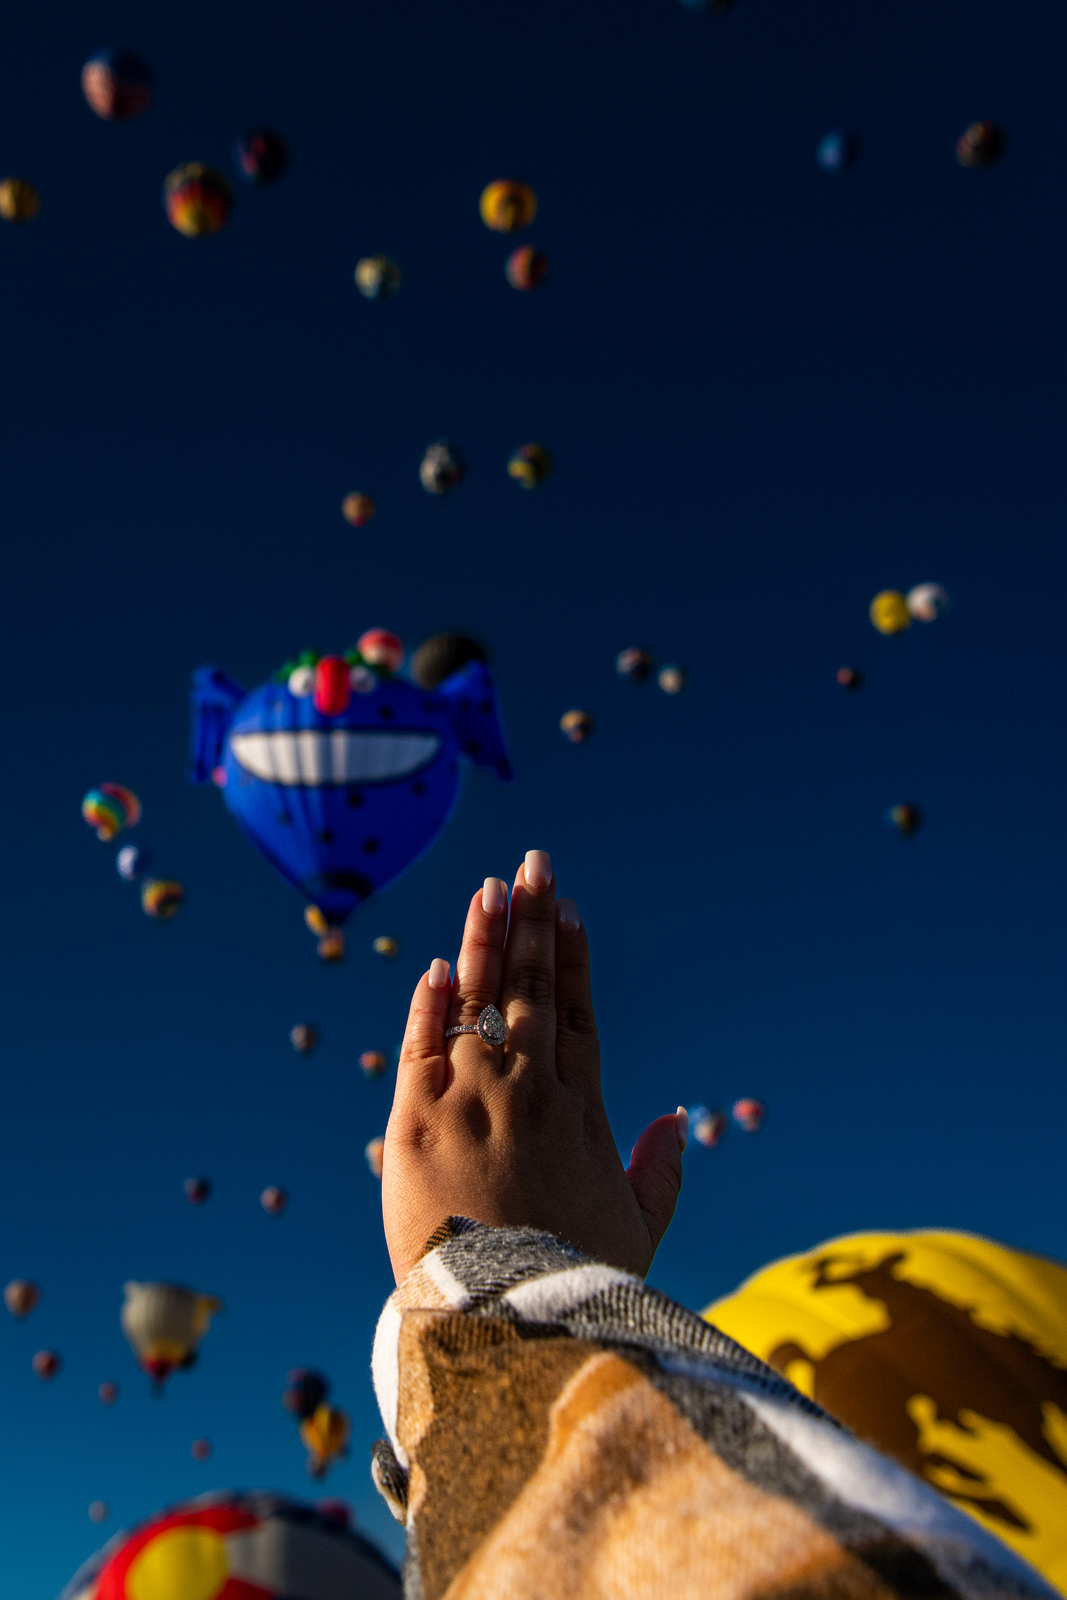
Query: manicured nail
[
  {"x": 494, "y": 897},
  {"x": 569, "y": 919},
  {"x": 681, "y": 1123},
  {"x": 439, "y": 974},
  {"x": 537, "y": 871}
]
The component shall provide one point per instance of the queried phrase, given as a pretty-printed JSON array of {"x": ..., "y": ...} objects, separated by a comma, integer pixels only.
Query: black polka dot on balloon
[
  {"x": 326, "y": 836},
  {"x": 418, "y": 787},
  {"x": 485, "y": 707},
  {"x": 386, "y": 711},
  {"x": 370, "y": 847},
  {"x": 283, "y": 816},
  {"x": 354, "y": 799}
]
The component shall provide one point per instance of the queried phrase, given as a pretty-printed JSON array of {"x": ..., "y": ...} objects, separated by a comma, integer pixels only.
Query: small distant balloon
[
  {"x": 837, "y": 150},
  {"x": 197, "y": 1190},
  {"x": 164, "y": 1324},
  {"x": 634, "y": 664},
  {"x": 260, "y": 155},
  {"x": 331, "y": 947},
  {"x": 108, "y": 1393},
  {"x": 749, "y": 1114},
  {"x": 527, "y": 267},
  {"x": 375, "y": 1154},
  {"x": 46, "y": 1363},
  {"x": 906, "y": 818},
  {"x": 373, "y": 1063},
  {"x": 508, "y": 205},
  {"x": 117, "y": 84},
  {"x": 303, "y": 1037},
  {"x": 380, "y": 648},
  {"x": 132, "y": 862},
  {"x": 21, "y": 1297},
  {"x": 442, "y": 468},
  {"x": 577, "y": 726},
  {"x": 110, "y": 808},
  {"x": 358, "y": 509},
  {"x": 19, "y": 200},
  {"x": 274, "y": 1200},
  {"x": 377, "y": 278},
  {"x": 981, "y": 145},
  {"x": 315, "y": 920},
  {"x": 197, "y": 200},
  {"x": 161, "y": 898},
  {"x": 530, "y": 465},
  {"x": 850, "y": 677},
  {"x": 99, "y": 1511},
  {"x": 926, "y": 602},
  {"x": 325, "y": 1437},
  {"x": 889, "y": 612},
  {"x": 671, "y": 680},
  {"x": 305, "y": 1391},
  {"x": 707, "y": 1127},
  {"x": 200, "y": 1449},
  {"x": 386, "y": 946}
]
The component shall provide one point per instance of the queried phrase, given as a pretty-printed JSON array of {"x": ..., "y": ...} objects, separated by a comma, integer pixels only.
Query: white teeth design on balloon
[{"x": 316, "y": 756}]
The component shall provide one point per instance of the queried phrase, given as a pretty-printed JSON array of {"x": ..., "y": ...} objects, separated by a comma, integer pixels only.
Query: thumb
[{"x": 655, "y": 1171}]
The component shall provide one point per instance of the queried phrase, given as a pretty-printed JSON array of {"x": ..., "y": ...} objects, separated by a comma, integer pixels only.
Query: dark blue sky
[{"x": 770, "y": 393}]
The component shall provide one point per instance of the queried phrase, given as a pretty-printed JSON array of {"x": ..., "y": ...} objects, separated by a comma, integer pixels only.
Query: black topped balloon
[
  {"x": 305, "y": 1391},
  {"x": 117, "y": 84},
  {"x": 981, "y": 145},
  {"x": 260, "y": 155},
  {"x": 837, "y": 150}
]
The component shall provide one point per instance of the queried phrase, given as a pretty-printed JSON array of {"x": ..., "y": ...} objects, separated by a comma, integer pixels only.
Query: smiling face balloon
[{"x": 339, "y": 773}]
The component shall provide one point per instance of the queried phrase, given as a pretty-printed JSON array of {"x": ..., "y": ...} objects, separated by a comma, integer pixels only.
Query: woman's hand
[{"x": 519, "y": 1135}]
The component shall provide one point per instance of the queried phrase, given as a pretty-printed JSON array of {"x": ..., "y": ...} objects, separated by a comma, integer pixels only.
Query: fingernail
[
  {"x": 567, "y": 912},
  {"x": 494, "y": 897},
  {"x": 439, "y": 974},
  {"x": 681, "y": 1123},
  {"x": 537, "y": 871}
]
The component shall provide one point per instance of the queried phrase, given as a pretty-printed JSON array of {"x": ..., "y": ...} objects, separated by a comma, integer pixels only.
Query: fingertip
[
  {"x": 440, "y": 974},
  {"x": 494, "y": 897},
  {"x": 537, "y": 871},
  {"x": 681, "y": 1122}
]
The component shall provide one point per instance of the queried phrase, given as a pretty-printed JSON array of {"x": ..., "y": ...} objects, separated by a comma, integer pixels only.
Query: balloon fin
[
  {"x": 475, "y": 711},
  {"x": 212, "y": 701}
]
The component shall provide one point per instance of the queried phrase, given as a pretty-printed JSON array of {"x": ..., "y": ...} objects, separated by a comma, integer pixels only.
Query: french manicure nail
[
  {"x": 681, "y": 1123},
  {"x": 439, "y": 974},
  {"x": 569, "y": 918},
  {"x": 537, "y": 871},
  {"x": 494, "y": 897}
]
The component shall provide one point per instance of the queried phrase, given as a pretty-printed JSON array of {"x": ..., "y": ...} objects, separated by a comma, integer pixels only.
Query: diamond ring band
[{"x": 490, "y": 1026}]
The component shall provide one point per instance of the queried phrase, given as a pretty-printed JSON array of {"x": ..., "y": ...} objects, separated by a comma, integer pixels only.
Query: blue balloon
[
  {"x": 837, "y": 150},
  {"x": 342, "y": 800}
]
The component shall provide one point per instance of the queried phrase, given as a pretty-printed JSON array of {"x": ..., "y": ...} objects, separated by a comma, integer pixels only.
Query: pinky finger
[{"x": 423, "y": 1069}]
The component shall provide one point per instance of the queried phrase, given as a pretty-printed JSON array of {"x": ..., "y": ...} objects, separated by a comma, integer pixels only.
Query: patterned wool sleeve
[{"x": 558, "y": 1429}]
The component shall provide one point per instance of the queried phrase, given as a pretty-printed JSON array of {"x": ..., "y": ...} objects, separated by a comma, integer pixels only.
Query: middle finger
[{"x": 528, "y": 994}]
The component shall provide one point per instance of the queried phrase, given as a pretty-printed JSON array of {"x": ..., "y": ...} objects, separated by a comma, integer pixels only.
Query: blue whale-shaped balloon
[{"x": 341, "y": 802}]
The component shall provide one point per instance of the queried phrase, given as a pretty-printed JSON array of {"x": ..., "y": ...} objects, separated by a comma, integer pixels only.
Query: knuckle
[{"x": 533, "y": 982}]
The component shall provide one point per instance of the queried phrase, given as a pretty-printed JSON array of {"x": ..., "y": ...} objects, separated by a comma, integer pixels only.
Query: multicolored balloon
[
  {"x": 530, "y": 465},
  {"x": 164, "y": 1324},
  {"x": 260, "y": 155},
  {"x": 441, "y": 468},
  {"x": 527, "y": 267},
  {"x": 906, "y": 818},
  {"x": 386, "y": 946},
  {"x": 304, "y": 1037},
  {"x": 749, "y": 1114},
  {"x": 110, "y": 808},
  {"x": 850, "y": 677},
  {"x": 197, "y": 200},
  {"x": 325, "y": 1436},
  {"x": 380, "y": 649},
  {"x": 304, "y": 1392},
  {"x": 108, "y": 1393},
  {"x": 373, "y": 1063},
  {"x": 889, "y": 612},
  {"x": 377, "y": 278},
  {"x": 19, "y": 200},
  {"x": 161, "y": 898},
  {"x": 981, "y": 145},
  {"x": 707, "y": 1127},
  {"x": 375, "y": 1154},
  {"x": 197, "y": 1190},
  {"x": 274, "y": 1200},
  {"x": 117, "y": 84},
  {"x": 46, "y": 1363},
  {"x": 21, "y": 1297},
  {"x": 132, "y": 862},
  {"x": 358, "y": 509},
  {"x": 507, "y": 205},
  {"x": 577, "y": 726},
  {"x": 927, "y": 601}
]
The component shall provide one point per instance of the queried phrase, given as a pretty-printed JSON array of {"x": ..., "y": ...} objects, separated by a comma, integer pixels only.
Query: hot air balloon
[
  {"x": 438, "y": 658},
  {"x": 19, "y": 200},
  {"x": 110, "y": 808},
  {"x": 508, "y": 205},
  {"x": 260, "y": 155},
  {"x": 303, "y": 1037},
  {"x": 671, "y": 679},
  {"x": 377, "y": 278},
  {"x": 373, "y": 1063},
  {"x": 331, "y": 946},
  {"x": 375, "y": 1154},
  {"x": 342, "y": 797},
  {"x": 837, "y": 151},
  {"x": 527, "y": 267},
  {"x": 889, "y": 612},
  {"x": 906, "y": 818},
  {"x": 235, "y": 1546},
  {"x": 46, "y": 1363},
  {"x": 197, "y": 200},
  {"x": 749, "y": 1114},
  {"x": 981, "y": 145},
  {"x": 707, "y": 1127},
  {"x": 945, "y": 1350},
  {"x": 197, "y": 1190},
  {"x": 200, "y": 1449},
  {"x": 305, "y": 1392},
  {"x": 381, "y": 649},
  {"x": 926, "y": 602},
  {"x": 577, "y": 726},
  {"x": 274, "y": 1200},
  {"x": 164, "y": 1324},
  {"x": 634, "y": 664},
  {"x": 850, "y": 677},
  {"x": 117, "y": 84},
  {"x": 132, "y": 862},
  {"x": 108, "y": 1393},
  {"x": 21, "y": 1297},
  {"x": 441, "y": 468},
  {"x": 99, "y": 1511},
  {"x": 324, "y": 1436},
  {"x": 530, "y": 465},
  {"x": 358, "y": 509},
  {"x": 161, "y": 898},
  {"x": 386, "y": 946}
]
